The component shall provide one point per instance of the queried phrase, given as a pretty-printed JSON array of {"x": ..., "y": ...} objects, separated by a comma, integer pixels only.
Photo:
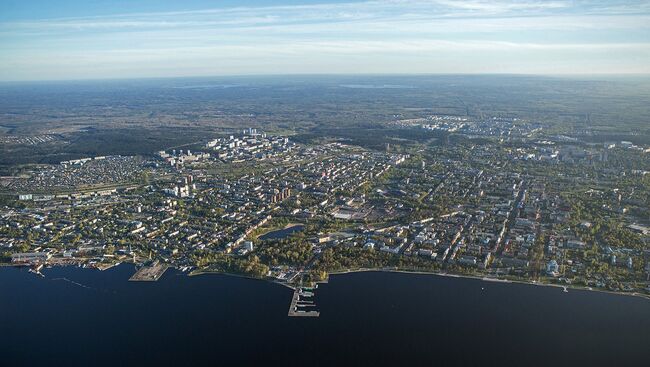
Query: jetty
[
  {"x": 149, "y": 273},
  {"x": 302, "y": 304}
]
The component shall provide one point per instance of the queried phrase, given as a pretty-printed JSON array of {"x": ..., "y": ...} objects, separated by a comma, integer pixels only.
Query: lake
[{"x": 84, "y": 317}]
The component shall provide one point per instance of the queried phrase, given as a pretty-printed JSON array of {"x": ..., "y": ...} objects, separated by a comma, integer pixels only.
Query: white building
[{"x": 552, "y": 268}]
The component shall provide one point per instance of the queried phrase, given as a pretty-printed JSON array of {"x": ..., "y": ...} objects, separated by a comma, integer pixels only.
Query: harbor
[
  {"x": 149, "y": 273},
  {"x": 302, "y": 303}
]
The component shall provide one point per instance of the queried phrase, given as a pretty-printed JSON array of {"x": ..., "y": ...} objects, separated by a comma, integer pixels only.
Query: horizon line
[{"x": 360, "y": 74}]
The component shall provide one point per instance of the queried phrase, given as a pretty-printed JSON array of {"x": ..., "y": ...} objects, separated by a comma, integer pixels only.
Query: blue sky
[{"x": 53, "y": 40}]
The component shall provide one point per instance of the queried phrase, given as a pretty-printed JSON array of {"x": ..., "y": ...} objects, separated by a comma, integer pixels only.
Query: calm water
[
  {"x": 281, "y": 233},
  {"x": 370, "y": 319}
]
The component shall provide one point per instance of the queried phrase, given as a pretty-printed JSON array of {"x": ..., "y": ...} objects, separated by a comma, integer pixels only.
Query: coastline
[
  {"x": 448, "y": 275},
  {"x": 198, "y": 272},
  {"x": 195, "y": 273},
  {"x": 488, "y": 279}
]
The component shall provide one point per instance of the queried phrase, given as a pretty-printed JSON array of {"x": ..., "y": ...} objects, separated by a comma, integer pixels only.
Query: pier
[
  {"x": 149, "y": 273},
  {"x": 302, "y": 305}
]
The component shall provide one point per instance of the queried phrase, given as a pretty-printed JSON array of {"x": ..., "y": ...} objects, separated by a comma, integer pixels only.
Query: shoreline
[
  {"x": 197, "y": 272},
  {"x": 489, "y": 279},
  {"x": 448, "y": 275}
]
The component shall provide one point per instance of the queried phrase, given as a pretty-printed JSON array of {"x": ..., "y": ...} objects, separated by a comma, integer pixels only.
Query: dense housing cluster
[{"x": 538, "y": 208}]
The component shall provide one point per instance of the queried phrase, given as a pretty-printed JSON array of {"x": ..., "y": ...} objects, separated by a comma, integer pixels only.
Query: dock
[
  {"x": 149, "y": 273},
  {"x": 301, "y": 306}
]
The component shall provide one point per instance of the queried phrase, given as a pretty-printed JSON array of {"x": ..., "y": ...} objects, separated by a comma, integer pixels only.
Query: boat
[{"x": 37, "y": 272}]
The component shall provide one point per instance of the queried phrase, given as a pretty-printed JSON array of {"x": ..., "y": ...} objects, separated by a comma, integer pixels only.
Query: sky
[{"x": 99, "y": 39}]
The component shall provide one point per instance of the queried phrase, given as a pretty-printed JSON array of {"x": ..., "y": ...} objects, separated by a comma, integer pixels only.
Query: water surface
[
  {"x": 82, "y": 317},
  {"x": 282, "y": 233}
]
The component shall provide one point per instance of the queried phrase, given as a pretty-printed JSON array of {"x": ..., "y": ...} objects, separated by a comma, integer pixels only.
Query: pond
[{"x": 282, "y": 233}]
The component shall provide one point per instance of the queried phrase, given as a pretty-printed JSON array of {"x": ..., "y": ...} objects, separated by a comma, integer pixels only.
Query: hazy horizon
[{"x": 585, "y": 76}]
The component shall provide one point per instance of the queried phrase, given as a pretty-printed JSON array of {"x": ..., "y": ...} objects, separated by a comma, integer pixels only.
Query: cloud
[
  {"x": 385, "y": 11},
  {"x": 249, "y": 39}
]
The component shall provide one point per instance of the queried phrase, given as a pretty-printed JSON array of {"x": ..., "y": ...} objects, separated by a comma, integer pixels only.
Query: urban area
[{"x": 509, "y": 203}]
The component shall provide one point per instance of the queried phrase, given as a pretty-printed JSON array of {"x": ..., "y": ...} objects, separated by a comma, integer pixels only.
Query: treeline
[
  {"x": 349, "y": 258},
  {"x": 372, "y": 136},
  {"x": 285, "y": 252}
]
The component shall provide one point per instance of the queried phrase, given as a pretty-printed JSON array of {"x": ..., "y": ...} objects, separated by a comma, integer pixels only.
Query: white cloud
[
  {"x": 367, "y": 35},
  {"x": 318, "y": 14}
]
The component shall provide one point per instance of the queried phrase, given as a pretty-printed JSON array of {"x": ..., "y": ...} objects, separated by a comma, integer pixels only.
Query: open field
[{"x": 137, "y": 117}]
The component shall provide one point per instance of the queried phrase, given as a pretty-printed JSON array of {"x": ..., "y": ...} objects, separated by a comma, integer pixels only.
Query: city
[{"x": 521, "y": 206}]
